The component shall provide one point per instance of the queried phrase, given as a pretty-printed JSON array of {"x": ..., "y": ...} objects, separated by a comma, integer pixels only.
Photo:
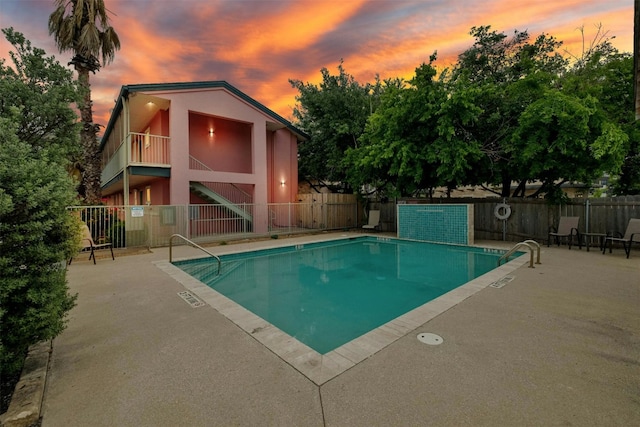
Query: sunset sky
[{"x": 258, "y": 45}]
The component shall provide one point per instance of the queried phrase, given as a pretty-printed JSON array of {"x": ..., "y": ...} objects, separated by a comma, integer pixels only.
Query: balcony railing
[
  {"x": 114, "y": 165},
  {"x": 149, "y": 149},
  {"x": 145, "y": 150}
]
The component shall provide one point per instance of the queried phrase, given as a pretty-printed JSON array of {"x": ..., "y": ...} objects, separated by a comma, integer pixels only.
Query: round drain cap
[{"x": 431, "y": 339}]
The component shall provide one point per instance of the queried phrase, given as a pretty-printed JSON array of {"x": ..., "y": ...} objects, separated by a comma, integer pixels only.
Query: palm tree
[{"x": 82, "y": 26}]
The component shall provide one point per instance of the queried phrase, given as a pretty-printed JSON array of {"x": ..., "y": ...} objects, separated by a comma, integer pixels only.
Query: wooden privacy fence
[
  {"x": 531, "y": 218},
  {"x": 330, "y": 211}
]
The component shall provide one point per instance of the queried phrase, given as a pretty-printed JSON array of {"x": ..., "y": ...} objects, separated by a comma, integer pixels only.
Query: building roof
[{"x": 126, "y": 90}]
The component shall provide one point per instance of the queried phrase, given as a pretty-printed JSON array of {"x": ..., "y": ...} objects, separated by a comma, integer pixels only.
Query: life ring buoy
[{"x": 502, "y": 211}]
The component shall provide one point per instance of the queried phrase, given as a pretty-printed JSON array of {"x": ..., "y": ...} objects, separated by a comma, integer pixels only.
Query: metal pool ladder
[
  {"x": 195, "y": 245},
  {"x": 529, "y": 244}
]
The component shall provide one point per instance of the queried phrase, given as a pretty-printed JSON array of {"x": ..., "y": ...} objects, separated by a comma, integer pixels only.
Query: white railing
[
  {"x": 153, "y": 226},
  {"x": 196, "y": 164},
  {"x": 115, "y": 165},
  {"x": 106, "y": 223},
  {"x": 227, "y": 190},
  {"x": 230, "y": 192},
  {"x": 211, "y": 220},
  {"x": 149, "y": 149}
]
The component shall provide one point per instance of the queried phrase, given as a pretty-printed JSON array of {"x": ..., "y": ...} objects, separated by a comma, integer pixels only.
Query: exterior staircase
[{"x": 208, "y": 194}]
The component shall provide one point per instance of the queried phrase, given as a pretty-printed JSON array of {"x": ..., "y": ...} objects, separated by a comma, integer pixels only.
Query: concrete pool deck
[{"x": 557, "y": 345}]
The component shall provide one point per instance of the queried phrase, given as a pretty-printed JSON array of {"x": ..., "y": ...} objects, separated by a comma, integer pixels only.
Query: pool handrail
[
  {"x": 530, "y": 244},
  {"x": 193, "y": 244}
]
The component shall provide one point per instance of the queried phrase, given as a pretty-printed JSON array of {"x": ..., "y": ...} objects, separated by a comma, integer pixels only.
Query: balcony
[
  {"x": 141, "y": 149},
  {"x": 149, "y": 150}
]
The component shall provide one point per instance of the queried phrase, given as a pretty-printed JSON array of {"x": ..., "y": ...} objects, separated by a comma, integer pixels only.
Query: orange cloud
[
  {"x": 259, "y": 45},
  {"x": 150, "y": 54},
  {"x": 298, "y": 26},
  {"x": 400, "y": 57}
]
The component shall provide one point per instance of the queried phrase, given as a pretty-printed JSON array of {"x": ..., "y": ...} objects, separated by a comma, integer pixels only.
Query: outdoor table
[{"x": 588, "y": 238}]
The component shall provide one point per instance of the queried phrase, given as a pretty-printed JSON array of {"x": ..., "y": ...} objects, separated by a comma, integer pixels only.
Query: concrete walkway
[{"x": 558, "y": 345}]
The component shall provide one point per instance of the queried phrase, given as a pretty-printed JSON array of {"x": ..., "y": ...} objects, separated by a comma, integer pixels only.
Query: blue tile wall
[{"x": 435, "y": 223}]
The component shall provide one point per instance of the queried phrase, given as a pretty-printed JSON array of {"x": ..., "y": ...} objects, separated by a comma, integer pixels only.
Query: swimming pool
[
  {"x": 326, "y": 294},
  {"x": 322, "y": 367}
]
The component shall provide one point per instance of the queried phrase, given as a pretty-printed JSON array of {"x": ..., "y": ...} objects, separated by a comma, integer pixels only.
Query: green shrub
[
  {"x": 38, "y": 136},
  {"x": 116, "y": 235},
  {"x": 37, "y": 236}
]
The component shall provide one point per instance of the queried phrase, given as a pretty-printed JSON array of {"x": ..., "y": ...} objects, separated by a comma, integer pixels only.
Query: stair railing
[
  {"x": 529, "y": 244},
  {"x": 193, "y": 244}
]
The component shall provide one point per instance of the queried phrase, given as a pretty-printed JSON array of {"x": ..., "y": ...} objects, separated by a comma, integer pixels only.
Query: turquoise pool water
[{"x": 326, "y": 294}]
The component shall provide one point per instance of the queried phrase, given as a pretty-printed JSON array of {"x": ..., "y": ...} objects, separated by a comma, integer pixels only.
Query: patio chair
[
  {"x": 567, "y": 227},
  {"x": 632, "y": 235},
  {"x": 374, "y": 221},
  {"x": 89, "y": 244}
]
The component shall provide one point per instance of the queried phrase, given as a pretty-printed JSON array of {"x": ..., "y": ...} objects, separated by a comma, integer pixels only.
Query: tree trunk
[
  {"x": 91, "y": 160},
  {"x": 520, "y": 189},
  {"x": 506, "y": 186}
]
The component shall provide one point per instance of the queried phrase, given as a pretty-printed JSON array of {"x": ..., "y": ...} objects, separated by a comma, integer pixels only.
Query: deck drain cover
[
  {"x": 188, "y": 297},
  {"x": 500, "y": 283},
  {"x": 431, "y": 339}
]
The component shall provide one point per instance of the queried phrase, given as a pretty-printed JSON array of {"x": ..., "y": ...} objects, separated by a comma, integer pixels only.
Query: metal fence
[{"x": 153, "y": 225}]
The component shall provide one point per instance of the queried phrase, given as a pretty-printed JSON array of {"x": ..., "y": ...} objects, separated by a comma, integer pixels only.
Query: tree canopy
[
  {"x": 334, "y": 114},
  {"x": 512, "y": 109}
]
